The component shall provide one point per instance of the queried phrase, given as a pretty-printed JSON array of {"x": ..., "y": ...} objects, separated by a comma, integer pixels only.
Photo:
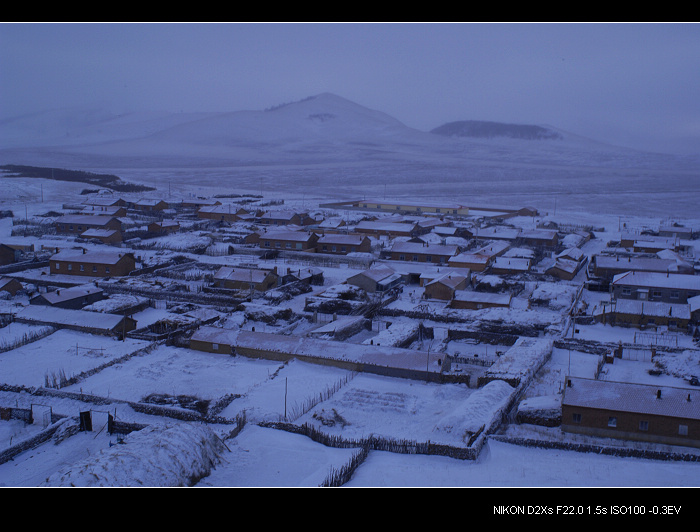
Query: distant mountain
[
  {"x": 486, "y": 130},
  {"x": 333, "y": 147},
  {"x": 322, "y": 130}
]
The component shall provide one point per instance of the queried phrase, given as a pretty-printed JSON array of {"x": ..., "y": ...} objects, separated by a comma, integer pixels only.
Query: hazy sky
[{"x": 631, "y": 84}]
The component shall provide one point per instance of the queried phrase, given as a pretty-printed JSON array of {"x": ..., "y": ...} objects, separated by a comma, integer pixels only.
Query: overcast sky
[{"x": 631, "y": 84}]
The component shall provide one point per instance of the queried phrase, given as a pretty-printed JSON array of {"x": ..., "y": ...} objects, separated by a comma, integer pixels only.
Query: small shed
[{"x": 10, "y": 285}]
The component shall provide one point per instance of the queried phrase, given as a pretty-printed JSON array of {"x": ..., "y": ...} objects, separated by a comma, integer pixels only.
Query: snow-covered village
[
  {"x": 357, "y": 255},
  {"x": 243, "y": 330}
]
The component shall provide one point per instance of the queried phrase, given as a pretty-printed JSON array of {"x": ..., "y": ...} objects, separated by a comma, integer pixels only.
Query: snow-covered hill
[{"x": 333, "y": 147}]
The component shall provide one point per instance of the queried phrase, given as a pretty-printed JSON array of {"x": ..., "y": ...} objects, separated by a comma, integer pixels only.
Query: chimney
[{"x": 658, "y": 394}]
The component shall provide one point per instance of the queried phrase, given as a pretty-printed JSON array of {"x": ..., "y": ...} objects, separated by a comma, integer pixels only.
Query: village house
[
  {"x": 630, "y": 411},
  {"x": 92, "y": 263},
  {"x": 674, "y": 231},
  {"x": 378, "y": 279},
  {"x": 106, "y": 236},
  {"x": 76, "y": 224},
  {"x": 164, "y": 227},
  {"x": 445, "y": 286},
  {"x": 343, "y": 244},
  {"x": 481, "y": 258},
  {"x": 472, "y": 300},
  {"x": 410, "y": 251},
  {"x": 413, "y": 207},
  {"x": 198, "y": 203},
  {"x": 644, "y": 314},
  {"x": 651, "y": 286},
  {"x": 10, "y": 285},
  {"x": 245, "y": 278},
  {"x": 289, "y": 241},
  {"x": 214, "y": 340},
  {"x": 103, "y": 203},
  {"x": 8, "y": 254},
  {"x": 378, "y": 229},
  {"x": 222, "y": 213},
  {"x": 607, "y": 266},
  {"x": 509, "y": 265},
  {"x": 567, "y": 264},
  {"x": 651, "y": 244},
  {"x": 330, "y": 225},
  {"x": 494, "y": 233},
  {"x": 309, "y": 276},
  {"x": 284, "y": 217},
  {"x": 78, "y": 320},
  {"x": 116, "y": 211},
  {"x": 71, "y": 298},
  {"x": 150, "y": 205},
  {"x": 539, "y": 238}
]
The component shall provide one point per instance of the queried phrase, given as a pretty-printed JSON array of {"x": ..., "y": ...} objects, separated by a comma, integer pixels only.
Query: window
[
  {"x": 415, "y": 258},
  {"x": 683, "y": 430},
  {"x": 94, "y": 269},
  {"x": 70, "y": 267},
  {"x": 675, "y": 294},
  {"x": 267, "y": 243},
  {"x": 657, "y": 293},
  {"x": 576, "y": 418},
  {"x": 278, "y": 245},
  {"x": 325, "y": 248},
  {"x": 626, "y": 291},
  {"x": 215, "y": 347},
  {"x": 82, "y": 267},
  {"x": 402, "y": 257},
  {"x": 612, "y": 422},
  {"x": 299, "y": 245},
  {"x": 106, "y": 269},
  {"x": 644, "y": 426},
  {"x": 57, "y": 266},
  {"x": 288, "y": 245},
  {"x": 429, "y": 258}
]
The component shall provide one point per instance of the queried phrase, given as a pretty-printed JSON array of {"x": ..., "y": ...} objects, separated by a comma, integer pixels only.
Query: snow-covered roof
[
  {"x": 571, "y": 253},
  {"x": 386, "y": 226},
  {"x": 66, "y": 294},
  {"x": 482, "y": 297},
  {"x": 89, "y": 257},
  {"x": 385, "y": 356},
  {"x": 628, "y": 397},
  {"x": 496, "y": 232},
  {"x": 352, "y": 240},
  {"x": 648, "y": 308},
  {"x": 296, "y": 236},
  {"x": 450, "y": 279},
  {"x": 75, "y": 318},
  {"x": 433, "y": 249},
  {"x": 247, "y": 275},
  {"x": 511, "y": 263},
  {"x": 650, "y": 264},
  {"x": 378, "y": 274},
  {"x": 216, "y": 335},
  {"x": 658, "y": 280},
  {"x": 99, "y": 233},
  {"x": 90, "y": 219}
]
